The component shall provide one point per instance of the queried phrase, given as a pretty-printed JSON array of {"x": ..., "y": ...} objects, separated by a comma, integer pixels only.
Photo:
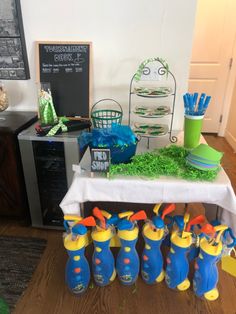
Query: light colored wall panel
[{"x": 123, "y": 33}]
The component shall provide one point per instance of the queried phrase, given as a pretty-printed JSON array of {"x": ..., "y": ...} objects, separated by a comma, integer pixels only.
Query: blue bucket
[{"x": 122, "y": 155}]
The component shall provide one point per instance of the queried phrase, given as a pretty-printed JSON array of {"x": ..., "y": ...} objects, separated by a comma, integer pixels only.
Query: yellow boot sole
[
  {"x": 161, "y": 277},
  {"x": 113, "y": 276},
  {"x": 184, "y": 285},
  {"x": 212, "y": 295}
]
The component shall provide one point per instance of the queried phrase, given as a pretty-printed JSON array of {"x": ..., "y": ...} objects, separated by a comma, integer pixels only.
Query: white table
[{"x": 141, "y": 190}]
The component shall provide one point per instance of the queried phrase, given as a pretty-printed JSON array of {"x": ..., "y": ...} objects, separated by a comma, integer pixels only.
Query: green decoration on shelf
[
  {"x": 58, "y": 126},
  {"x": 142, "y": 66},
  {"x": 47, "y": 111},
  {"x": 168, "y": 161}
]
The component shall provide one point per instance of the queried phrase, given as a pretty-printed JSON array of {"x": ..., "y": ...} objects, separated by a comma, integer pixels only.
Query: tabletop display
[{"x": 118, "y": 167}]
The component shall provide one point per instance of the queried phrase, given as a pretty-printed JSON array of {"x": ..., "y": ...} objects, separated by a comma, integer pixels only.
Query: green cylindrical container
[{"x": 192, "y": 130}]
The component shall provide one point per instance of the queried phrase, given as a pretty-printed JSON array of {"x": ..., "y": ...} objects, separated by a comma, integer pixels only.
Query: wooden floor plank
[{"x": 48, "y": 294}]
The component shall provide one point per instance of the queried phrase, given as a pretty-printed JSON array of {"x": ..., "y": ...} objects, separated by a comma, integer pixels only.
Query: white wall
[{"x": 124, "y": 33}]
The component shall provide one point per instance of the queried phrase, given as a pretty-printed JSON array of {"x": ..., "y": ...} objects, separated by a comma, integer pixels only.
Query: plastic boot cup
[
  {"x": 77, "y": 267},
  {"x": 152, "y": 260},
  {"x": 206, "y": 272},
  {"x": 103, "y": 263},
  {"x": 177, "y": 262},
  {"x": 192, "y": 130}
]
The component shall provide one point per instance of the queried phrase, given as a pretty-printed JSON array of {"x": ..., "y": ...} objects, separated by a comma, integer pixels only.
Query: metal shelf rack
[{"x": 161, "y": 70}]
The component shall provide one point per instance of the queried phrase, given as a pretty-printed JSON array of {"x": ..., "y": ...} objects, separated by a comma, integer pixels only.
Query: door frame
[
  {"x": 231, "y": 71},
  {"x": 228, "y": 92}
]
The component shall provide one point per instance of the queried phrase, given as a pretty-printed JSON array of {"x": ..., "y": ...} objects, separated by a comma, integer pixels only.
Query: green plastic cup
[{"x": 192, "y": 130}]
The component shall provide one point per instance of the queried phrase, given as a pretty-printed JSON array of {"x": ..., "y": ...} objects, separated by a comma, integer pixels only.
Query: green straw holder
[{"x": 192, "y": 130}]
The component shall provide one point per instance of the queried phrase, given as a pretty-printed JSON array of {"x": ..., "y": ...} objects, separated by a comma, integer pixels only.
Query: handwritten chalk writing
[
  {"x": 100, "y": 156},
  {"x": 68, "y": 70},
  {"x": 67, "y": 67},
  {"x": 99, "y": 165},
  {"x": 63, "y": 57},
  {"x": 65, "y": 49},
  {"x": 47, "y": 70},
  {"x": 100, "y": 160}
]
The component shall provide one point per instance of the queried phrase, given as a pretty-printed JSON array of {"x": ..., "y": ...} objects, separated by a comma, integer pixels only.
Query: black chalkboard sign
[
  {"x": 100, "y": 160},
  {"x": 67, "y": 67}
]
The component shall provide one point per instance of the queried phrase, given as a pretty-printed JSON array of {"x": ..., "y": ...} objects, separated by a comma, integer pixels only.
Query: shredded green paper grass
[{"x": 168, "y": 161}]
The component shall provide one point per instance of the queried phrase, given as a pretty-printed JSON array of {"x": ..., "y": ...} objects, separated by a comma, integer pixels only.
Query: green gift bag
[
  {"x": 192, "y": 130},
  {"x": 47, "y": 113}
]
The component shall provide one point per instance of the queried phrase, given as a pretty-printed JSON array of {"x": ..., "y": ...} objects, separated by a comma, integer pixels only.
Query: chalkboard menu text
[{"x": 66, "y": 66}]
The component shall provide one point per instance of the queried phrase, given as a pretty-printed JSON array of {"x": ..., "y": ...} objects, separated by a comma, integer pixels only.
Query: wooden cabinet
[{"x": 13, "y": 197}]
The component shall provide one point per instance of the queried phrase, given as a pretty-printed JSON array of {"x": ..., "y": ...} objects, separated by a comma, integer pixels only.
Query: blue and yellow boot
[
  {"x": 103, "y": 264},
  {"x": 177, "y": 260},
  {"x": 127, "y": 262},
  {"x": 154, "y": 232},
  {"x": 77, "y": 273},
  {"x": 206, "y": 272}
]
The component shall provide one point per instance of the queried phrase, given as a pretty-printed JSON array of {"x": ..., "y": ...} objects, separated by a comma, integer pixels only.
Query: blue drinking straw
[
  {"x": 186, "y": 104},
  {"x": 205, "y": 105},
  {"x": 195, "y": 97},
  {"x": 190, "y": 104},
  {"x": 201, "y": 103}
]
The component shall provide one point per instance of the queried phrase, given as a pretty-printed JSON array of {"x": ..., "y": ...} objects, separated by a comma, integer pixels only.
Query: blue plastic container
[{"x": 122, "y": 155}]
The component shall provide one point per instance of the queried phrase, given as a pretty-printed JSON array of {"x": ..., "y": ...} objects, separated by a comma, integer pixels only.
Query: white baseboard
[{"x": 230, "y": 139}]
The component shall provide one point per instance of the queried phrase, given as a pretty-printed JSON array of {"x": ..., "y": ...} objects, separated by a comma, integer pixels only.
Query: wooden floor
[
  {"x": 47, "y": 292},
  {"x": 229, "y": 158}
]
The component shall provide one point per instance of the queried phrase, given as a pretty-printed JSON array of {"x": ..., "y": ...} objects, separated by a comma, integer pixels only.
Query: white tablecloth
[{"x": 140, "y": 190}]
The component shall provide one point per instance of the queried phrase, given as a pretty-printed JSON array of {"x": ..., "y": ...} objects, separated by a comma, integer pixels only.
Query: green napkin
[{"x": 207, "y": 152}]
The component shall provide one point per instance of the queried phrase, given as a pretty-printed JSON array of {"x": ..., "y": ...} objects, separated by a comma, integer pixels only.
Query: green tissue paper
[{"x": 168, "y": 161}]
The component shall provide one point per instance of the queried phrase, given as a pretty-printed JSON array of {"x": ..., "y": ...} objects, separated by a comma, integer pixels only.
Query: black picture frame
[{"x": 13, "y": 54}]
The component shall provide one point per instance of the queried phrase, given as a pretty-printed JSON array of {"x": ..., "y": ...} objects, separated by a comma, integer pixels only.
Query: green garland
[
  {"x": 168, "y": 161},
  {"x": 142, "y": 66}
]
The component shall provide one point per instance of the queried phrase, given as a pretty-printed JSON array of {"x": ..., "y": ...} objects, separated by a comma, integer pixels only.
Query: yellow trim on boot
[
  {"x": 212, "y": 295},
  {"x": 161, "y": 277},
  {"x": 102, "y": 235},
  {"x": 113, "y": 276},
  {"x": 77, "y": 244},
  {"x": 152, "y": 234},
  {"x": 184, "y": 285},
  {"x": 179, "y": 241},
  {"x": 209, "y": 248},
  {"x": 128, "y": 235}
]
